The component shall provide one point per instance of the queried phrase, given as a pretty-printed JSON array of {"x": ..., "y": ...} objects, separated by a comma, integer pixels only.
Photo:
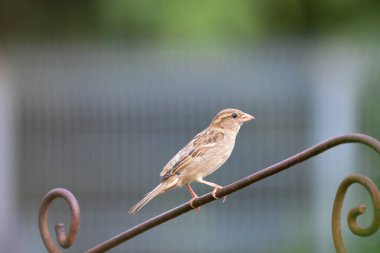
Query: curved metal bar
[
  {"x": 260, "y": 175},
  {"x": 65, "y": 241},
  {"x": 355, "y": 212}
]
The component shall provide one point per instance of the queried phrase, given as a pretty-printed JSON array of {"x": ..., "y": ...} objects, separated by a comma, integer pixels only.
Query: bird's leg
[
  {"x": 193, "y": 195},
  {"x": 216, "y": 187}
]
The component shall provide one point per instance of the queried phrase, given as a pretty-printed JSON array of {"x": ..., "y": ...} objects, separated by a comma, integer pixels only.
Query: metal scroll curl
[
  {"x": 65, "y": 241},
  {"x": 353, "y": 214}
]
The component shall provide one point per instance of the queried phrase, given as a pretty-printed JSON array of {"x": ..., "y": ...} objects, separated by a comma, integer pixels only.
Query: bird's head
[{"x": 230, "y": 119}]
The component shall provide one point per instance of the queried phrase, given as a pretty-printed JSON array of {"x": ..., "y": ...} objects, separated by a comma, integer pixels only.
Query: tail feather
[{"x": 148, "y": 197}]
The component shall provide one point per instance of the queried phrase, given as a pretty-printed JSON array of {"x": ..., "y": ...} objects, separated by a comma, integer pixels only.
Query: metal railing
[{"x": 66, "y": 240}]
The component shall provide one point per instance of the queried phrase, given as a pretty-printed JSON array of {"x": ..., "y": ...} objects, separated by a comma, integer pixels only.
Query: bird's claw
[
  {"x": 191, "y": 204},
  {"x": 213, "y": 193}
]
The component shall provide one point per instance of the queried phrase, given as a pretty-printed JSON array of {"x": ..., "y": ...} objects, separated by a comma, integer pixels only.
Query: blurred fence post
[
  {"x": 336, "y": 96},
  {"x": 7, "y": 170}
]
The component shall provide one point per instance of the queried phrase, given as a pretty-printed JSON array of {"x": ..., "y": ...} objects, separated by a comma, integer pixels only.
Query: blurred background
[{"x": 96, "y": 96}]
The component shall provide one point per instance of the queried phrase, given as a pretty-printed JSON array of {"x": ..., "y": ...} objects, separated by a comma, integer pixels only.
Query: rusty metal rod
[
  {"x": 260, "y": 175},
  {"x": 355, "y": 212},
  {"x": 63, "y": 240}
]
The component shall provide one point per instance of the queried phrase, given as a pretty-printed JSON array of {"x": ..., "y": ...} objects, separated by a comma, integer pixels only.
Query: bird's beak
[{"x": 246, "y": 117}]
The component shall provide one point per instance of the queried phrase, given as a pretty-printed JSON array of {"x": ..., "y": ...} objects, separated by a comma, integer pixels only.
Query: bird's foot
[
  {"x": 197, "y": 209},
  {"x": 213, "y": 193}
]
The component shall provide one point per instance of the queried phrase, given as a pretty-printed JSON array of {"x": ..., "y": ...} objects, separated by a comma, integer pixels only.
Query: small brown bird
[{"x": 204, "y": 154}]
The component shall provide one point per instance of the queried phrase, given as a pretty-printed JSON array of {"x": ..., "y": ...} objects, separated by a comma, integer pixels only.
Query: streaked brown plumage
[{"x": 204, "y": 154}]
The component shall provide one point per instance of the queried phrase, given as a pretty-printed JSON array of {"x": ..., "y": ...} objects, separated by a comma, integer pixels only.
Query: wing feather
[{"x": 201, "y": 143}]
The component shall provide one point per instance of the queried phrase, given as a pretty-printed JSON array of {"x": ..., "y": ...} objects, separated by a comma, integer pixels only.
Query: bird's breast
[
  {"x": 210, "y": 161},
  {"x": 215, "y": 158}
]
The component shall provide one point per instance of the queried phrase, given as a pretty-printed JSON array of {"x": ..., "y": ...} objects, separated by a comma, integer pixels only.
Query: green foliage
[{"x": 166, "y": 19}]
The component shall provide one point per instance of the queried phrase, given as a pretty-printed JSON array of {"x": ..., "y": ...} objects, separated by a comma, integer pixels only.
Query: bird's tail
[{"x": 148, "y": 197}]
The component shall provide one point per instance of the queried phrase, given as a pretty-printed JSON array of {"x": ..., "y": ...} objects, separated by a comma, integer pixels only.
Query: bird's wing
[{"x": 200, "y": 144}]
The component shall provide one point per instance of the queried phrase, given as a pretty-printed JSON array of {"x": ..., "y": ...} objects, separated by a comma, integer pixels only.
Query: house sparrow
[{"x": 204, "y": 154}]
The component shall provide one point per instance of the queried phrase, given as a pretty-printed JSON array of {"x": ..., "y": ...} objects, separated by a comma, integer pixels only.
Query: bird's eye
[{"x": 234, "y": 115}]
